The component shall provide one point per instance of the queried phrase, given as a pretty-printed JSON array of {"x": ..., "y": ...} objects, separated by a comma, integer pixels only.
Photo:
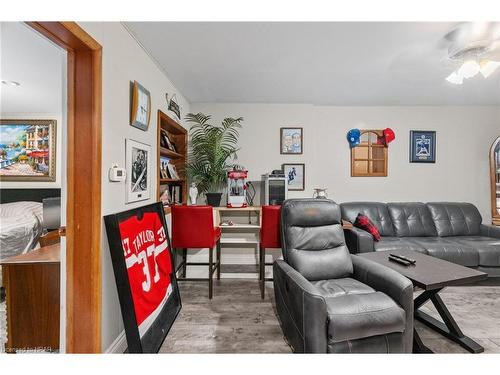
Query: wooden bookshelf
[{"x": 179, "y": 137}]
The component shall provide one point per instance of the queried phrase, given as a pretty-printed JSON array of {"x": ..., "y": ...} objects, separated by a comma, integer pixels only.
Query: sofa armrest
[
  {"x": 490, "y": 231},
  {"x": 392, "y": 283},
  {"x": 301, "y": 308},
  {"x": 358, "y": 240}
]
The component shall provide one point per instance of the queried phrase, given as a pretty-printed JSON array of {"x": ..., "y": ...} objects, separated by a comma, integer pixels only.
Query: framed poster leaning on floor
[{"x": 145, "y": 275}]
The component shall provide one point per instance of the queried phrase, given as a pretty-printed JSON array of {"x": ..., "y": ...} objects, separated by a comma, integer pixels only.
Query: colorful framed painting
[
  {"x": 141, "y": 107},
  {"x": 144, "y": 270},
  {"x": 28, "y": 150},
  {"x": 422, "y": 146},
  {"x": 296, "y": 176},
  {"x": 137, "y": 159},
  {"x": 291, "y": 141}
]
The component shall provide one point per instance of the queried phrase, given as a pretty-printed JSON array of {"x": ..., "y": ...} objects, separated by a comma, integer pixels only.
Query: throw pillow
[{"x": 363, "y": 222}]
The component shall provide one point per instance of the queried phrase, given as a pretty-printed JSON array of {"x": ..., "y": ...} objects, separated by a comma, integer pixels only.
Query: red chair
[
  {"x": 270, "y": 238},
  {"x": 193, "y": 228}
]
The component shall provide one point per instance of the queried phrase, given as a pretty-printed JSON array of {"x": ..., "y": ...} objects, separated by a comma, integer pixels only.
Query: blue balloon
[{"x": 353, "y": 137}]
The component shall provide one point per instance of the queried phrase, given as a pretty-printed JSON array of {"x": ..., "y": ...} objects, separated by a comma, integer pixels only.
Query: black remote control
[
  {"x": 399, "y": 260},
  {"x": 412, "y": 261}
]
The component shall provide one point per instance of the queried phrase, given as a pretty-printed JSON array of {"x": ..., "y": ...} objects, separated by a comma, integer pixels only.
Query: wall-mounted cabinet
[
  {"x": 369, "y": 158},
  {"x": 495, "y": 181},
  {"x": 172, "y": 149}
]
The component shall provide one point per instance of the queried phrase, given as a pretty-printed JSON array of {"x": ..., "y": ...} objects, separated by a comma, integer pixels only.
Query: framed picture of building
[
  {"x": 144, "y": 271},
  {"x": 422, "y": 146},
  {"x": 28, "y": 150},
  {"x": 291, "y": 141},
  {"x": 138, "y": 160}
]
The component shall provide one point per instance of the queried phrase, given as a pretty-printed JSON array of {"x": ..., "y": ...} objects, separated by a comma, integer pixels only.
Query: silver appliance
[{"x": 274, "y": 189}]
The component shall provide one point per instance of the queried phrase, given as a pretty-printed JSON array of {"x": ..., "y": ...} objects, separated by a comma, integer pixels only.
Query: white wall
[
  {"x": 464, "y": 136},
  {"x": 123, "y": 61}
]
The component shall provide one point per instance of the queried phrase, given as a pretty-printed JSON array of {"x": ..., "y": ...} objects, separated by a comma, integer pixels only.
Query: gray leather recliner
[{"x": 329, "y": 301}]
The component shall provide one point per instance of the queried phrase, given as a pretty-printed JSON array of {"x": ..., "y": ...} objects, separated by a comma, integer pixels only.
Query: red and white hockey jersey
[{"x": 147, "y": 258}]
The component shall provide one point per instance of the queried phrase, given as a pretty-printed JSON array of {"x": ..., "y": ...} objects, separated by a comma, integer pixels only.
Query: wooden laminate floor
[{"x": 236, "y": 320}]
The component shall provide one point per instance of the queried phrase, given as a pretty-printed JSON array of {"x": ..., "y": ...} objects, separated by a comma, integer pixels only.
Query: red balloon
[{"x": 389, "y": 135}]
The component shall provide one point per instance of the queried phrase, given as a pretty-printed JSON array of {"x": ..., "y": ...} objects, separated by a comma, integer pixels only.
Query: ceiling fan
[{"x": 476, "y": 47}]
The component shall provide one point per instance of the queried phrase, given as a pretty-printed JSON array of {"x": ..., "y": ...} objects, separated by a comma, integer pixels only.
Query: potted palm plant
[{"x": 212, "y": 153}]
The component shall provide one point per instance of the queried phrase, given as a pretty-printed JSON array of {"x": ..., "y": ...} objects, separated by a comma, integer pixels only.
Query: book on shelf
[{"x": 176, "y": 194}]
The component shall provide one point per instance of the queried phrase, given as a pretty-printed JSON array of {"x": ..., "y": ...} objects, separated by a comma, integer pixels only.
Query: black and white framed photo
[
  {"x": 422, "y": 146},
  {"x": 138, "y": 159},
  {"x": 140, "y": 111},
  {"x": 291, "y": 141},
  {"x": 295, "y": 175},
  {"x": 144, "y": 271}
]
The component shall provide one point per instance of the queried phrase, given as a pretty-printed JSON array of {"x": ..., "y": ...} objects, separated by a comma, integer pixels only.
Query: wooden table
[
  {"x": 432, "y": 275},
  {"x": 32, "y": 286}
]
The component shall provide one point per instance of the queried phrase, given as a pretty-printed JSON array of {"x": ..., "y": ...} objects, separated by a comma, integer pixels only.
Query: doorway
[{"x": 83, "y": 160}]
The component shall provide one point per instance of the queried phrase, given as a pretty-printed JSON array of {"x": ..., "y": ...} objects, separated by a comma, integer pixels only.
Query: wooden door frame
[{"x": 83, "y": 210}]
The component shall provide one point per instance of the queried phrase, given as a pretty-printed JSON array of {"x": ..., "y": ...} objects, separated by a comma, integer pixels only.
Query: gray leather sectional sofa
[{"x": 450, "y": 231}]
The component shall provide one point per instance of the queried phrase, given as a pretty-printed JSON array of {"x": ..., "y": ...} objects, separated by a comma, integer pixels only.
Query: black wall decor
[{"x": 143, "y": 266}]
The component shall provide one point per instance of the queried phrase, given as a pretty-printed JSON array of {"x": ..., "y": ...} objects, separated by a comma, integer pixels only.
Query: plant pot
[{"x": 213, "y": 199}]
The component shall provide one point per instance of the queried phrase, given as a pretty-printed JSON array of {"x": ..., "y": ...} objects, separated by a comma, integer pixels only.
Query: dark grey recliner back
[
  {"x": 455, "y": 219},
  {"x": 375, "y": 211},
  {"x": 313, "y": 240}
]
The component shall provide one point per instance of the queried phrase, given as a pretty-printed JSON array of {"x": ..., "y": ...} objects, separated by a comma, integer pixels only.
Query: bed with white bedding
[{"x": 20, "y": 227}]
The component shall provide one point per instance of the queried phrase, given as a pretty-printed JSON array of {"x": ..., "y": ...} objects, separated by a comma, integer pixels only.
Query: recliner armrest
[
  {"x": 306, "y": 307},
  {"x": 358, "y": 240},
  {"x": 490, "y": 231},
  {"x": 392, "y": 283}
]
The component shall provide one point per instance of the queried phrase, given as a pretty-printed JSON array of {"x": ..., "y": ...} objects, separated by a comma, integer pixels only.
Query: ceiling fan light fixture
[
  {"x": 455, "y": 78},
  {"x": 488, "y": 67},
  {"x": 469, "y": 69}
]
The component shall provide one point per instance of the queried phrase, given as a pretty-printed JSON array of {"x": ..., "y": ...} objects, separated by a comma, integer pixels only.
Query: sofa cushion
[
  {"x": 455, "y": 219},
  {"x": 364, "y": 222},
  {"x": 396, "y": 243},
  {"x": 448, "y": 249},
  {"x": 411, "y": 219},
  {"x": 376, "y": 212},
  {"x": 487, "y": 248},
  {"x": 354, "y": 316},
  {"x": 338, "y": 287}
]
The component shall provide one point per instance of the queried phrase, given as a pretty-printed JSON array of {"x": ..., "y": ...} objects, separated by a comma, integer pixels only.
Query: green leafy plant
[{"x": 212, "y": 151}]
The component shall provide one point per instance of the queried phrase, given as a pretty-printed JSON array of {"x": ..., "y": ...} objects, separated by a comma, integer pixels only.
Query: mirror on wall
[{"x": 495, "y": 181}]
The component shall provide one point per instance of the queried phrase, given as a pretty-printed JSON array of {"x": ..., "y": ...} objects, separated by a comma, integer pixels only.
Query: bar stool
[
  {"x": 193, "y": 228},
  {"x": 269, "y": 239}
]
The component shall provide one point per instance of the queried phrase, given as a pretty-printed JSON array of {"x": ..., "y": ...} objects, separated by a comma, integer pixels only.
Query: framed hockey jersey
[{"x": 144, "y": 272}]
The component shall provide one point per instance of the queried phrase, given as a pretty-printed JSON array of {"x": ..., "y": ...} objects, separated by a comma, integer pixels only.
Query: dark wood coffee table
[{"x": 432, "y": 275}]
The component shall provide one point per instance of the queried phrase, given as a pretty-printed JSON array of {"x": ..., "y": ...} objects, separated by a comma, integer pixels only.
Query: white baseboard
[{"x": 119, "y": 345}]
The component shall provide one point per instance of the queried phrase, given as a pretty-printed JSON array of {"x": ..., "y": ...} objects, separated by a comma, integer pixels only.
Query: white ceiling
[
  {"x": 351, "y": 63},
  {"x": 36, "y": 63}
]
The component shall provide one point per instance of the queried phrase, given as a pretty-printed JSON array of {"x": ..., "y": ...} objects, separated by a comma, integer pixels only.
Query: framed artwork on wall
[
  {"x": 141, "y": 254},
  {"x": 295, "y": 174},
  {"x": 422, "y": 146},
  {"x": 140, "y": 109},
  {"x": 28, "y": 150},
  {"x": 138, "y": 159},
  {"x": 291, "y": 141}
]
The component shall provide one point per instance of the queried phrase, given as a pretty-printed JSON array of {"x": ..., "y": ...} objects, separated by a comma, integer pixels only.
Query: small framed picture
[
  {"x": 295, "y": 174},
  {"x": 137, "y": 157},
  {"x": 165, "y": 195},
  {"x": 172, "y": 171},
  {"x": 164, "y": 167},
  {"x": 422, "y": 146},
  {"x": 291, "y": 141},
  {"x": 140, "y": 112}
]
